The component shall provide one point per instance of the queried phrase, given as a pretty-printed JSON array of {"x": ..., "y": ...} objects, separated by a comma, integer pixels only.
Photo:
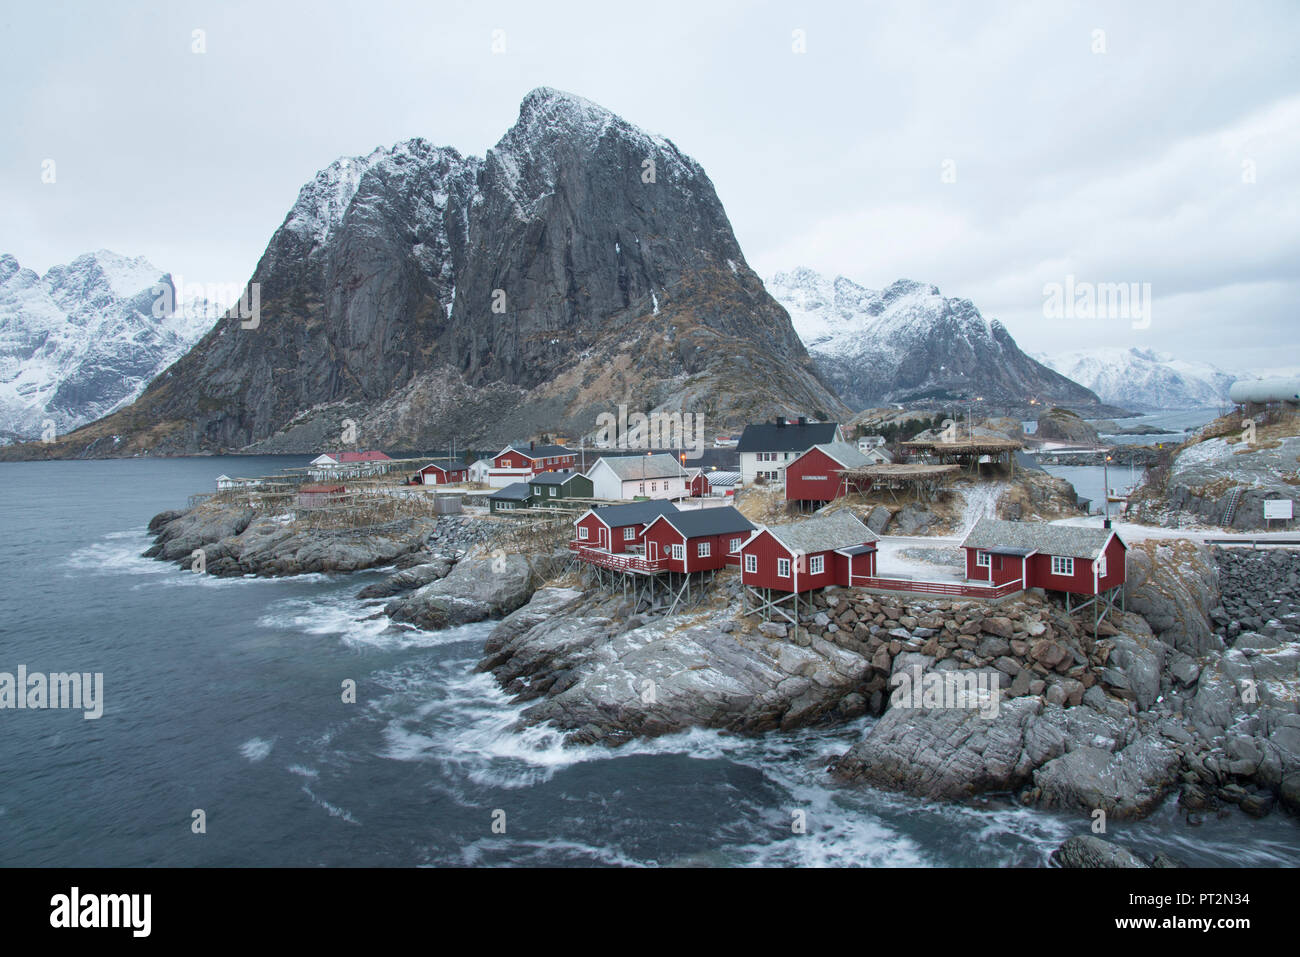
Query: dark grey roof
[
  {"x": 542, "y": 451},
  {"x": 555, "y": 478},
  {"x": 723, "y": 459},
  {"x": 445, "y": 464},
  {"x": 709, "y": 521},
  {"x": 1073, "y": 541},
  {"x": 838, "y": 530},
  {"x": 515, "y": 491},
  {"x": 634, "y": 513},
  {"x": 770, "y": 437},
  {"x": 857, "y": 549}
]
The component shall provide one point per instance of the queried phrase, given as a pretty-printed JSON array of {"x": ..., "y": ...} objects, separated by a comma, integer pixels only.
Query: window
[
  {"x": 751, "y": 563},
  {"x": 982, "y": 559},
  {"x": 783, "y": 568},
  {"x": 735, "y": 545},
  {"x": 553, "y": 491},
  {"x": 1062, "y": 566},
  {"x": 629, "y": 533},
  {"x": 702, "y": 550},
  {"x": 816, "y": 564},
  {"x": 641, "y": 488},
  {"x": 582, "y": 532},
  {"x": 654, "y": 486},
  {"x": 537, "y": 490},
  {"x": 1101, "y": 565},
  {"x": 679, "y": 552}
]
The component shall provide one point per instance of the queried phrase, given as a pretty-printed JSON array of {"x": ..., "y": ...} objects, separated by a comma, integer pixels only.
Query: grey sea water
[{"x": 225, "y": 696}]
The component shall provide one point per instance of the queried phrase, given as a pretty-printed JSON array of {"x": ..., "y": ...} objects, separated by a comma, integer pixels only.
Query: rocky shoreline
[
  {"x": 1193, "y": 691},
  {"x": 237, "y": 540}
]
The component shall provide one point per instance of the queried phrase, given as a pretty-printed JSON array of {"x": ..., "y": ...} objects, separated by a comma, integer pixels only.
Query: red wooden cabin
[
  {"x": 443, "y": 472},
  {"x": 617, "y": 528},
  {"x": 817, "y": 474},
  {"x": 702, "y": 539},
  {"x": 1069, "y": 558},
  {"x": 833, "y": 550}
]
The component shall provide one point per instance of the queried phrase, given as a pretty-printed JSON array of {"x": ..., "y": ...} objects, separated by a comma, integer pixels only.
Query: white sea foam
[
  {"x": 255, "y": 749},
  {"x": 333, "y": 809}
]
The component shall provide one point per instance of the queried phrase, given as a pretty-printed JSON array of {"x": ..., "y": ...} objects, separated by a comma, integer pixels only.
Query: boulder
[
  {"x": 1089, "y": 851},
  {"x": 477, "y": 588},
  {"x": 1125, "y": 784},
  {"x": 1174, "y": 585}
]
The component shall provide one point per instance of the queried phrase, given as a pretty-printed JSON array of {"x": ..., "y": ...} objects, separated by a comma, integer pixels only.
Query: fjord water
[{"x": 225, "y": 695}]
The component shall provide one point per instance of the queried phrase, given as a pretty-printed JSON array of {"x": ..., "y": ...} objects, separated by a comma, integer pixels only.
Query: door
[
  {"x": 652, "y": 550},
  {"x": 602, "y": 537}
]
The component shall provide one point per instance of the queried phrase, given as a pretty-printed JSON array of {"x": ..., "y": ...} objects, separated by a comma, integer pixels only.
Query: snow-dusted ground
[
  {"x": 981, "y": 501},
  {"x": 892, "y": 562}
]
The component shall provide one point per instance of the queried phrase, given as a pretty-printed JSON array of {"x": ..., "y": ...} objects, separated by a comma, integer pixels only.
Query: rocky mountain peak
[
  {"x": 582, "y": 264},
  {"x": 908, "y": 341}
]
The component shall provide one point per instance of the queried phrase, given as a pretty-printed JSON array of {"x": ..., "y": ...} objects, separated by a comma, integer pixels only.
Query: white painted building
[
  {"x": 767, "y": 448},
  {"x": 634, "y": 476}
]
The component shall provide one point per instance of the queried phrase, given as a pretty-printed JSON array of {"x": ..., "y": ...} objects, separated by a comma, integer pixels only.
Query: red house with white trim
[
  {"x": 617, "y": 528},
  {"x": 835, "y": 549},
  {"x": 443, "y": 472},
  {"x": 516, "y": 464},
  {"x": 816, "y": 475},
  {"x": 702, "y": 539},
  {"x": 1077, "y": 559}
]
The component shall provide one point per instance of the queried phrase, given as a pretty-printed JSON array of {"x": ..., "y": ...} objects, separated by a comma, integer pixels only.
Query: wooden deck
[{"x": 620, "y": 562}]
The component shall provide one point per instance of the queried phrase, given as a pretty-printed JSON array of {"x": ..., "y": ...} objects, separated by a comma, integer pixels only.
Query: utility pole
[{"x": 1105, "y": 483}]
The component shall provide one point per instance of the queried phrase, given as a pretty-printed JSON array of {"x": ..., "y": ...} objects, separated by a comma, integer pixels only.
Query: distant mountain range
[
  {"x": 907, "y": 343},
  {"x": 1144, "y": 380},
  {"x": 429, "y": 296},
  {"x": 82, "y": 340}
]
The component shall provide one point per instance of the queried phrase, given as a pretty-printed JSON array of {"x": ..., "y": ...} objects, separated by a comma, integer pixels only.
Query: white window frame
[
  {"x": 816, "y": 564},
  {"x": 983, "y": 559},
  {"x": 735, "y": 545},
  {"x": 582, "y": 532},
  {"x": 751, "y": 563},
  {"x": 679, "y": 553},
  {"x": 1101, "y": 565},
  {"x": 629, "y": 533},
  {"x": 553, "y": 491},
  {"x": 783, "y": 563},
  {"x": 703, "y": 550},
  {"x": 1063, "y": 566}
]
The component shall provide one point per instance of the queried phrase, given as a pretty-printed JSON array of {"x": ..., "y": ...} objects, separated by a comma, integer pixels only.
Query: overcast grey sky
[{"x": 1128, "y": 165}]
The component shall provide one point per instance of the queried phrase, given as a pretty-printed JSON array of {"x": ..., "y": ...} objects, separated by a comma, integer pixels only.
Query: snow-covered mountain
[
  {"x": 1142, "y": 379},
  {"x": 82, "y": 340},
  {"x": 580, "y": 264},
  {"x": 909, "y": 342}
]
